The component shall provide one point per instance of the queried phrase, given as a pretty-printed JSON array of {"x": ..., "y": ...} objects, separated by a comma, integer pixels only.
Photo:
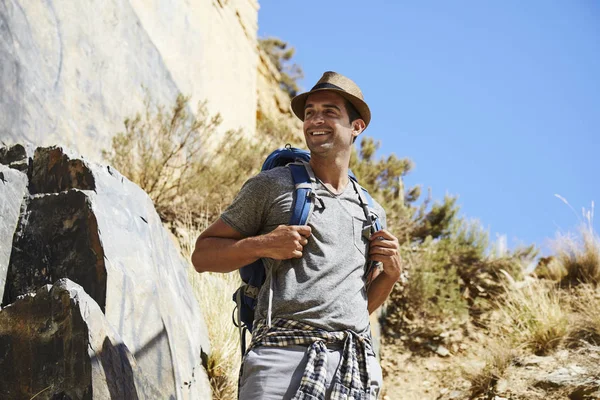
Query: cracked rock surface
[{"x": 66, "y": 219}]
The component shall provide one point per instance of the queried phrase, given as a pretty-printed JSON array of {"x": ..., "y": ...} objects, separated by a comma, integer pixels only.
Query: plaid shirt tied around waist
[{"x": 352, "y": 379}]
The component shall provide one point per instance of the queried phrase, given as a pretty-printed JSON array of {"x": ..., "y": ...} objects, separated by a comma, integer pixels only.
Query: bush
[
  {"x": 172, "y": 155},
  {"x": 451, "y": 276},
  {"x": 431, "y": 301},
  {"x": 453, "y": 282}
]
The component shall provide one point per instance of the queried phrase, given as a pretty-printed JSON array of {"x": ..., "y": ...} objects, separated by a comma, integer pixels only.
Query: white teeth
[{"x": 319, "y": 133}]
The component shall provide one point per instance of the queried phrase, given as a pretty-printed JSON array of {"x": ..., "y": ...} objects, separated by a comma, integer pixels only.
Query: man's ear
[{"x": 358, "y": 125}]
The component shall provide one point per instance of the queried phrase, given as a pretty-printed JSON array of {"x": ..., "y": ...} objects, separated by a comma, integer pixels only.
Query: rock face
[
  {"x": 86, "y": 222},
  {"x": 71, "y": 72},
  {"x": 13, "y": 188},
  {"x": 68, "y": 351},
  {"x": 273, "y": 102},
  {"x": 62, "y": 243},
  {"x": 52, "y": 351}
]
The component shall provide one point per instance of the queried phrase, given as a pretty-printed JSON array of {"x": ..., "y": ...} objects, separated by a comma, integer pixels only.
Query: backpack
[{"x": 254, "y": 275}]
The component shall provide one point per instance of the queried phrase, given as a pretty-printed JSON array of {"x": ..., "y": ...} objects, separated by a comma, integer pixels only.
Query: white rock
[{"x": 13, "y": 189}]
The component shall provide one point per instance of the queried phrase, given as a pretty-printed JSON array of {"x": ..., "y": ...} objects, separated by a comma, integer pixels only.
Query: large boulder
[
  {"x": 86, "y": 222},
  {"x": 57, "y": 343}
]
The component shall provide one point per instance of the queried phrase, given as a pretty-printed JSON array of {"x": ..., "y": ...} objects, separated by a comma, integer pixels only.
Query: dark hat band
[{"x": 326, "y": 85}]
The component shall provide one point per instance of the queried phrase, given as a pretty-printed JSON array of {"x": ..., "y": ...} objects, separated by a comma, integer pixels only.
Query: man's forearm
[
  {"x": 225, "y": 255},
  {"x": 379, "y": 290},
  {"x": 221, "y": 248}
]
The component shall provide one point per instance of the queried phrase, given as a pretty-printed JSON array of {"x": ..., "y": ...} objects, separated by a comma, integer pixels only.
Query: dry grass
[
  {"x": 497, "y": 355},
  {"x": 535, "y": 316},
  {"x": 577, "y": 258},
  {"x": 551, "y": 269},
  {"x": 213, "y": 291},
  {"x": 585, "y": 302}
]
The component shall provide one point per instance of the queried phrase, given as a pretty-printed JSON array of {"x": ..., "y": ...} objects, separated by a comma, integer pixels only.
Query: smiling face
[{"x": 327, "y": 128}]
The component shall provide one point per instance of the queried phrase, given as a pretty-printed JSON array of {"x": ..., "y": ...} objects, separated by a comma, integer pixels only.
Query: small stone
[
  {"x": 571, "y": 375},
  {"x": 502, "y": 386},
  {"x": 533, "y": 360},
  {"x": 442, "y": 351}
]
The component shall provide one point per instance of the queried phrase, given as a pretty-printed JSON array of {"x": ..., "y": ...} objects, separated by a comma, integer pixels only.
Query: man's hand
[
  {"x": 384, "y": 248},
  {"x": 285, "y": 241}
]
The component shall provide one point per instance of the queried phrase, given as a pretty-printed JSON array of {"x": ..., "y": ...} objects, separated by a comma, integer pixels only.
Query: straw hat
[{"x": 339, "y": 84}]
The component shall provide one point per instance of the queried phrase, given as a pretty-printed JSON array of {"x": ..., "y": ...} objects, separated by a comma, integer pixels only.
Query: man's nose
[{"x": 317, "y": 118}]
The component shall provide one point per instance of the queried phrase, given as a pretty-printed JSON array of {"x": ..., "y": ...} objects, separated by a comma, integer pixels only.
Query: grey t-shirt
[{"x": 324, "y": 288}]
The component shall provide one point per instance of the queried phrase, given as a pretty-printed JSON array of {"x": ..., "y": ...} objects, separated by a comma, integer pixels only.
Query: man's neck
[{"x": 332, "y": 173}]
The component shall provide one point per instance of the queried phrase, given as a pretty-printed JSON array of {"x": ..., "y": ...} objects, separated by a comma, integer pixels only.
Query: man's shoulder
[
  {"x": 276, "y": 176},
  {"x": 278, "y": 173},
  {"x": 276, "y": 179}
]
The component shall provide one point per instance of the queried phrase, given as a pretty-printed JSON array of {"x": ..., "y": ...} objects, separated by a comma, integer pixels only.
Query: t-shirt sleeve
[{"x": 246, "y": 214}]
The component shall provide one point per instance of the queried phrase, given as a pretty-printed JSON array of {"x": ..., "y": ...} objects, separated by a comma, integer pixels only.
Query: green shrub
[
  {"x": 451, "y": 276},
  {"x": 384, "y": 178},
  {"x": 431, "y": 300},
  {"x": 185, "y": 165}
]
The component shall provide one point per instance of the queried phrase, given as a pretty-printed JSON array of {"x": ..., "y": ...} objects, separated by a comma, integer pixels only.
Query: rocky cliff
[
  {"x": 95, "y": 297},
  {"x": 273, "y": 103},
  {"x": 71, "y": 72}
]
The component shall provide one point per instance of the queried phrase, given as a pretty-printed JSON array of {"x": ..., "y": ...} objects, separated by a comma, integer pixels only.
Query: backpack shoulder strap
[
  {"x": 366, "y": 201},
  {"x": 367, "y": 204},
  {"x": 304, "y": 188}
]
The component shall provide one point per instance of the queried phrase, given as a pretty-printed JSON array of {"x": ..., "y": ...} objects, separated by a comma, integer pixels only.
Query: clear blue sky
[{"x": 495, "y": 102}]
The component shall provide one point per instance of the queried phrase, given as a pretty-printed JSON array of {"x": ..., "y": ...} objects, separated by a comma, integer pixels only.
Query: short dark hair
[
  {"x": 352, "y": 111},
  {"x": 353, "y": 114}
]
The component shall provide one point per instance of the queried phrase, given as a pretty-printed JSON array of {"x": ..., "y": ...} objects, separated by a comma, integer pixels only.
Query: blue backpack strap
[
  {"x": 304, "y": 181},
  {"x": 376, "y": 222},
  {"x": 367, "y": 204}
]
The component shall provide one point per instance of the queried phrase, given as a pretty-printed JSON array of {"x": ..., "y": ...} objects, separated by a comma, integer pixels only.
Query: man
[{"x": 311, "y": 335}]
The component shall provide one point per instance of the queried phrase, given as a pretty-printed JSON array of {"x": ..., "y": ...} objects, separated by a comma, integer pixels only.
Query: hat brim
[{"x": 299, "y": 102}]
